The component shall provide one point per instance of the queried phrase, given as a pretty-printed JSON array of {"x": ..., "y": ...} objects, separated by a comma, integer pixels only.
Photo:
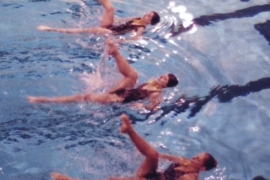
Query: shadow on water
[
  {"x": 263, "y": 28},
  {"x": 259, "y": 178},
  {"x": 242, "y": 13},
  {"x": 207, "y": 20}
]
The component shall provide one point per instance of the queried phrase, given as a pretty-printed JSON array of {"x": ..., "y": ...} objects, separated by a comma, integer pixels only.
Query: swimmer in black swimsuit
[
  {"x": 182, "y": 168},
  {"x": 107, "y": 23},
  {"x": 124, "y": 91}
]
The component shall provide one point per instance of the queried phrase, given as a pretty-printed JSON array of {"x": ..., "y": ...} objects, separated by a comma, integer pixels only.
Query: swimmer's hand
[{"x": 44, "y": 28}]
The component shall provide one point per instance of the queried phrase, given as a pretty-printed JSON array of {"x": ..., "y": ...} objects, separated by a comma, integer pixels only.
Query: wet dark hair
[
  {"x": 172, "y": 80},
  {"x": 210, "y": 162},
  {"x": 155, "y": 19}
]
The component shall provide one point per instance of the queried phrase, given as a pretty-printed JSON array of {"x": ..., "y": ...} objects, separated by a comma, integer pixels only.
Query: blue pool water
[{"x": 218, "y": 49}]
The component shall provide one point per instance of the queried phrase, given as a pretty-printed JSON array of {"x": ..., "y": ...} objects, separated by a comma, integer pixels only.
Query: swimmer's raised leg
[
  {"x": 92, "y": 97},
  {"x": 106, "y": 21},
  {"x": 129, "y": 73},
  {"x": 150, "y": 163},
  {"x": 108, "y": 15},
  {"x": 122, "y": 64},
  {"x": 37, "y": 99},
  {"x": 93, "y": 30}
]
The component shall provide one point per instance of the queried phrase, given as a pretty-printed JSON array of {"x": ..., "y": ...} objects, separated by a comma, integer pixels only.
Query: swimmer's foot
[
  {"x": 112, "y": 48},
  {"x": 58, "y": 176},
  {"x": 126, "y": 125},
  {"x": 44, "y": 28},
  {"x": 34, "y": 99}
]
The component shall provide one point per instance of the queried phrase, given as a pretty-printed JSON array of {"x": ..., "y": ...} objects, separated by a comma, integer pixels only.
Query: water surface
[{"x": 218, "y": 49}]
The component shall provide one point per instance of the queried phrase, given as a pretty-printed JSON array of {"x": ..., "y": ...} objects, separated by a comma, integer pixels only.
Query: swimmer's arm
[
  {"x": 178, "y": 159},
  {"x": 152, "y": 106},
  {"x": 137, "y": 35},
  {"x": 154, "y": 102}
]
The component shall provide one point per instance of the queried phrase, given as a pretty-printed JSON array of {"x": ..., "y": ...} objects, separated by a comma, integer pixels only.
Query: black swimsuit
[
  {"x": 131, "y": 25},
  {"x": 169, "y": 174},
  {"x": 134, "y": 94}
]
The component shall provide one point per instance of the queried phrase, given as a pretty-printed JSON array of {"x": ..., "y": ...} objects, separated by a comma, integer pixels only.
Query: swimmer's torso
[
  {"x": 175, "y": 171},
  {"x": 131, "y": 25},
  {"x": 141, "y": 92}
]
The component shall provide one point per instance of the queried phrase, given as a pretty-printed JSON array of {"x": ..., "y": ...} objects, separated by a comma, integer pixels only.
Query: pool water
[{"x": 219, "y": 50}]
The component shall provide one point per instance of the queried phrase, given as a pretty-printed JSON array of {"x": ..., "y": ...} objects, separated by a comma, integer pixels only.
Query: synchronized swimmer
[
  {"x": 107, "y": 25},
  {"x": 181, "y": 168},
  {"x": 124, "y": 91}
]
